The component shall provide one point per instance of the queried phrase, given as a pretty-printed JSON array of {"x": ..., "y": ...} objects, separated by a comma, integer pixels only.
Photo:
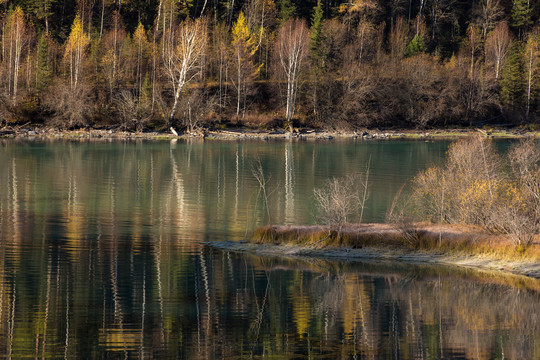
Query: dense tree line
[{"x": 156, "y": 63}]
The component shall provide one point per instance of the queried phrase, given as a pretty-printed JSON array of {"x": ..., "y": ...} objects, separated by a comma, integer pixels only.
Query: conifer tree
[
  {"x": 286, "y": 10},
  {"x": 416, "y": 46},
  {"x": 317, "y": 56},
  {"x": 41, "y": 9},
  {"x": 521, "y": 14},
  {"x": 44, "y": 68},
  {"x": 511, "y": 82},
  {"x": 316, "y": 44}
]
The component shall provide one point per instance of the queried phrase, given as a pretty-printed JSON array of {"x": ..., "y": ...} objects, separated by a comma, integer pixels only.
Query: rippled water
[{"x": 101, "y": 256}]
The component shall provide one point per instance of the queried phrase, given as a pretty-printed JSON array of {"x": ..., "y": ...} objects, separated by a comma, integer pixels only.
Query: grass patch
[{"x": 423, "y": 239}]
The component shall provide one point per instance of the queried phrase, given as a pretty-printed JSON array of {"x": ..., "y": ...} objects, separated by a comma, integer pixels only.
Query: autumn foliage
[
  {"x": 280, "y": 63},
  {"x": 473, "y": 187}
]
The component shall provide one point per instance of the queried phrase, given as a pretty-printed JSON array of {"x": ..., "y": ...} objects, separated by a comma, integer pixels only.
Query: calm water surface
[{"x": 102, "y": 256}]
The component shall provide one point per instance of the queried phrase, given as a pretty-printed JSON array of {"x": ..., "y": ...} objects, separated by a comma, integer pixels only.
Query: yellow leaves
[
  {"x": 242, "y": 38},
  {"x": 18, "y": 15},
  {"x": 357, "y": 6},
  {"x": 240, "y": 30},
  {"x": 140, "y": 35},
  {"x": 512, "y": 196},
  {"x": 78, "y": 40},
  {"x": 16, "y": 22}
]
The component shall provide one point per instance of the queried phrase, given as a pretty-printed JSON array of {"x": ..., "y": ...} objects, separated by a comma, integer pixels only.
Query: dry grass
[{"x": 434, "y": 238}]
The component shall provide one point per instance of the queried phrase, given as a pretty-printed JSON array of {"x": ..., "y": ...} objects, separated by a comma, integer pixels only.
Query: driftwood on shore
[{"x": 44, "y": 132}]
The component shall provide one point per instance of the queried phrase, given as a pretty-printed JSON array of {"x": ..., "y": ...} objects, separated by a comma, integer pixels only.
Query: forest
[{"x": 152, "y": 64}]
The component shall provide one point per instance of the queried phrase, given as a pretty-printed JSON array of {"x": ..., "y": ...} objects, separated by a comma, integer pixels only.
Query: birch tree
[
  {"x": 291, "y": 51},
  {"x": 141, "y": 44},
  {"x": 532, "y": 62},
  {"x": 15, "y": 41},
  {"x": 244, "y": 48},
  {"x": 111, "y": 45},
  {"x": 488, "y": 12},
  {"x": 182, "y": 61},
  {"x": 75, "y": 51},
  {"x": 497, "y": 44}
]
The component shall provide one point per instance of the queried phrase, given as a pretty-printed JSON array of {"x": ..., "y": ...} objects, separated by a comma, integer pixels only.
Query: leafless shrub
[
  {"x": 69, "y": 107},
  {"x": 340, "y": 200},
  {"x": 517, "y": 221},
  {"x": 397, "y": 215},
  {"x": 134, "y": 112},
  {"x": 258, "y": 173},
  {"x": 194, "y": 107},
  {"x": 7, "y": 109}
]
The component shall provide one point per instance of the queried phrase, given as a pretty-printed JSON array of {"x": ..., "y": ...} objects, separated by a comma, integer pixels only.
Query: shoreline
[
  {"x": 286, "y": 244},
  {"x": 239, "y": 134},
  {"x": 528, "y": 269}
]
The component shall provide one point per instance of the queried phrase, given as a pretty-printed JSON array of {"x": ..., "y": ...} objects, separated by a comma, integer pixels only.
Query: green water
[{"x": 101, "y": 256}]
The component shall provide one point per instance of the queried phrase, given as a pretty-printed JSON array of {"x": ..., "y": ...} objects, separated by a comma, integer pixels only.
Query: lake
[{"x": 103, "y": 255}]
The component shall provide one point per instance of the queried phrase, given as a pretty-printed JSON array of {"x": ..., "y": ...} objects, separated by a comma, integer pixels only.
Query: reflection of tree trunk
[
  {"x": 47, "y": 306},
  {"x": 289, "y": 181},
  {"x": 143, "y": 310},
  {"x": 15, "y": 204},
  {"x": 11, "y": 322},
  {"x": 204, "y": 273},
  {"x": 441, "y": 338},
  {"x": 66, "y": 344},
  {"x": 260, "y": 310},
  {"x": 237, "y": 180},
  {"x": 157, "y": 259},
  {"x": 154, "y": 55}
]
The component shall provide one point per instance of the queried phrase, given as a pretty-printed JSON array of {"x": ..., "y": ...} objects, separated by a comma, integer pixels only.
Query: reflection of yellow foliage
[
  {"x": 301, "y": 313},
  {"x": 74, "y": 230},
  {"x": 356, "y": 305},
  {"x": 120, "y": 339}
]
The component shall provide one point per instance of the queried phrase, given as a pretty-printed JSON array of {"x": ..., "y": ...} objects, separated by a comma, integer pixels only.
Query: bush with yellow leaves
[{"x": 471, "y": 187}]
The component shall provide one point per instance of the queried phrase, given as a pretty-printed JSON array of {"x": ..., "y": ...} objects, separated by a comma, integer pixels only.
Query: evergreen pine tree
[
  {"x": 42, "y": 10},
  {"x": 416, "y": 46},
  {"x": 521, "y": 14},
  {"x": 146, "y": 92},
  {"x": 511, "y": 83},
  {"x": 44, "y": 68},
  {"x": 184, "y": 8},
  {"x": 286, "y": 10},
  {"x": 317, "y": 54}
]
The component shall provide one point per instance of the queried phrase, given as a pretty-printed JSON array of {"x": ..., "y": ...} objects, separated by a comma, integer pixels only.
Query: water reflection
[
  {"x": 101, "y": 256},
  {"x": 223, "y": 305}
]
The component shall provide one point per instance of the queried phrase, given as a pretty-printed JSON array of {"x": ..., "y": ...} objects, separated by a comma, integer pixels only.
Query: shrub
[
  {"x": 472, "y": 188},
  {"x": 340, "y": 200}
]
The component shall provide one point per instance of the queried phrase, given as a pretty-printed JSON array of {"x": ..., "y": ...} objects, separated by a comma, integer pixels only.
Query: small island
[{"x": 477, "y": 210}]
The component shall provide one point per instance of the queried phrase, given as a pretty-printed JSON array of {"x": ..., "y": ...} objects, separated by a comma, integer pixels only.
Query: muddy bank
[
  {"x": 45, "y": 133},
  {"x": 435, "y": 244}
]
